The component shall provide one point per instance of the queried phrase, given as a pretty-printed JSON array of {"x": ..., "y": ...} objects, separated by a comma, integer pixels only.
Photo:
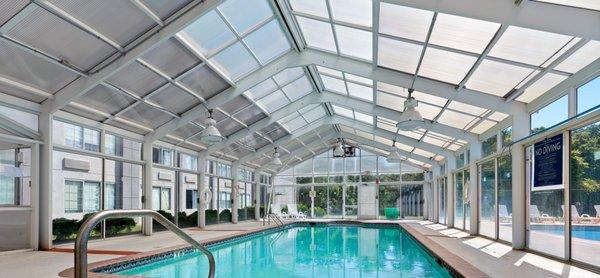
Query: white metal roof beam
[
  {"x": 84, "y": 84},
  {"x": 535, "y": 15},
  {"x": 145, "y": 9},
  {"x": 384, "y": 147}
]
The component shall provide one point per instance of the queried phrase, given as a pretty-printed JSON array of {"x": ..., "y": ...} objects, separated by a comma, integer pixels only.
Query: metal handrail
[
  {"x": 278, "y": 221},
  {"x": 83, "y": 236}
]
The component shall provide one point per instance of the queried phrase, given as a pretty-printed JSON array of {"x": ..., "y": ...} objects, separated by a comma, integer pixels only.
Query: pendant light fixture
[
  {"x": 394, "y": 156},
  {"x": 338, "y": 151},
  {"x": 410, "y": 119},
  {"x": 276, "y": 161},
  {"x": 210, "y": 135}
]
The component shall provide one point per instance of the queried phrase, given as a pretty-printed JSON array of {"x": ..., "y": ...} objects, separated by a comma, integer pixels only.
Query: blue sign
[{"x": 548, "y": 164}]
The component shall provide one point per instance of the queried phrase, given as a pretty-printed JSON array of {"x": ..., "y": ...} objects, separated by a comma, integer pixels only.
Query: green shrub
[
  {"x": 242, "y": 214},
  {"x": 319, "y": 212},
  {"x": 225, "y": 216},
  {"x": 192, "y": 219},
  {"x": 64, "y": 228},
  {"x": 211, "y": 216},
  {"x": 284, "y": 209},
  {"x": 303, "y": 208},
  {"x": 96, "y": 229},
  {"x": 167, "y": 215},
  {"x": 118, "y": 225}
]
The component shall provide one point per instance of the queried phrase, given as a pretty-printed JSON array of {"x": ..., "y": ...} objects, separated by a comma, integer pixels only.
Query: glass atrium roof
[{"x": 154, "y": 68}]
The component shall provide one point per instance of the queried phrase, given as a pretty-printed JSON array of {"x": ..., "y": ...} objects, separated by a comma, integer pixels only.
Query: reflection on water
[{"x": 309, "y": 252}]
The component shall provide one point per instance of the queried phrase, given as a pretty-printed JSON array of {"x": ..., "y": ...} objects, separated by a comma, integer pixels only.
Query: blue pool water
[
  {"x": 583, "y": 232},
  {"x": 329, "y": 251}
]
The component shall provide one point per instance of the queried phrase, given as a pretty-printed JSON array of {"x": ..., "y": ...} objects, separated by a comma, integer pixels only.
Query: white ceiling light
[
  {"x": 210, "y": 135},
  {"x": 410, "y": 119},
  {"x": 276, "y": 161},
  {"x": 338, "y": 150},
  {"x": 394, "y": 156}
]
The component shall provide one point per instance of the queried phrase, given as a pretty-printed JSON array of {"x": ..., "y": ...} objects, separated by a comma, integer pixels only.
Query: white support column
[
  {"x": 521, "y": 129},
  {"x": 147, "y": 186},
  {"x": 435, "y": 217},
  {"x": 475, "y": 150},
  {"x": 201, "y": 187},
  {"x": 235, "y": 204},
  {"x": 46, "y": 180},
  {"x": 572, "y": 102},
  {"x": 257, "y": 191},
  {"x": 34, "y": 201},
  {"x": 450, "y": 165}
]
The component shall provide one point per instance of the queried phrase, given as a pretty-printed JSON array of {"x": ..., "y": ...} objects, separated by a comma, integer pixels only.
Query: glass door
[
  {"x": 390, "y": 203},
  {"x": 458, "y": 201}
]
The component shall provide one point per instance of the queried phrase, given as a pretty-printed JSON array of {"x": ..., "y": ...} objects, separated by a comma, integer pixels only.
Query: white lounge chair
[
  {"x": 536, "y": 216},
  {"x": 597, "y": 207},
  {"x": 583, "y": 218},
  {"x": 276, "y": 209},
  {"x": 503, "y": 214},
  {"x": 294, "y": 213}
]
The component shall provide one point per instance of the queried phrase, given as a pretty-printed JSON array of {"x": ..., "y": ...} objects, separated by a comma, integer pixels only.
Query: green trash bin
[{"x": 391, "y": 213}]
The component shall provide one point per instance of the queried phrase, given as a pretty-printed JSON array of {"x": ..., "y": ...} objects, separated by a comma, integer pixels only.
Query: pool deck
[{"x": 491, "y": 258}]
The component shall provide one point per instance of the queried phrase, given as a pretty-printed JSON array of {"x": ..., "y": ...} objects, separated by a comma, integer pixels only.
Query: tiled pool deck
[{"x": 470, "y": 256}]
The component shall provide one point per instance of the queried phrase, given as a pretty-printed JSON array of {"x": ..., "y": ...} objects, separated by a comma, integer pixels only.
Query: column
[
  {"x": 257, "y": 191},
  {"x": 475, "y": 149},
  {"x": 521, "y": 129},
  {"x": 235, "y": 203},
  {"x": 450, "y": 166},
  {"x": 34, "y": 201},
  {"x": 147, "y": 186},
  {"x": 201, "y": 187},
  {"x": 45, "y": 179}
]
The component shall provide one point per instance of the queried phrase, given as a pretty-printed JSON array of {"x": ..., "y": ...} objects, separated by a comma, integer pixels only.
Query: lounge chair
[
  {"x": 583, "y": 218},
  {"x": 597, "y": 207},
  {"x": 294, "y": 213},
  {"x": 536, "y": 216},
  {"x": 276, "y": 209},
  {"x": 503, "y": 214}
]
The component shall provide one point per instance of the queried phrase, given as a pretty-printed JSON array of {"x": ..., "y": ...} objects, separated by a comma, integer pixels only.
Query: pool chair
[
  {"x": 503, "y": 214},
  {"x": 579, "y": 219},
  {"x": 294, "y": 213},
  {"x": 276, "y": 209},
  {"x": 537, "y": 217},
  {"x": 597, "y": 207}
]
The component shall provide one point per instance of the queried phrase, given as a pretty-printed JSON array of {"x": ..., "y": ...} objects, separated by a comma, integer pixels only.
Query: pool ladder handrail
[
  {"x": 278, "y": 221},
  {"x": 83, "y": 235}
]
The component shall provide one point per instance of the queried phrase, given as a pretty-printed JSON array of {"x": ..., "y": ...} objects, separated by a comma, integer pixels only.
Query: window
[
  {"x": 506, "y": 136},
  {"x": 73, "y": 136},
  {"x": 81, "y": 196},
  {"x": 9, "y": 185},
  {"x": 79, "y": 137},
  {"x": 460, "y": 160},
  {"x": 91, "y": 140},
  {"x": 167, "y": 159},
  {"x": 111, "y": 198},
  {"x": 161, "y": 198},
  {"x": 550, "y": 115},
  {"x": 188, "y": 162},
  {"x": 162, "y": 156},
  {"x": 489, "y": 146},
  {"x": 191, "y": 195},
  {"x": 111, "y": 144},
  {"x": 588, "y": 95}
]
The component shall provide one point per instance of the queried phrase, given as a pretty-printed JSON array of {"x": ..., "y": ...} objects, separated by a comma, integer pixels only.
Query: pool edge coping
[{"x": 447, "y": 259}]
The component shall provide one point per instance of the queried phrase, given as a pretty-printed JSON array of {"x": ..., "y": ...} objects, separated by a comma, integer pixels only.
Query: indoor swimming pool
[{"x": 302, "y": 251}]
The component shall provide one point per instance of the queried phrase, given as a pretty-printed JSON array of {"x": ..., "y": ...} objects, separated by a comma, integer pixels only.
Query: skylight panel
[
  {"x": 398, "y": 55},
  {"x": 528, "y": 46},
  {"x": 386, "y": 126},
  {"x": 497, "y": 116},
  {"x": 384, "y": 141},
  {"x": 423, "y": 153},
  {"x": 245, "y": 14},
  {"x": 295, "y": 124},
  {"x": 404, "y": 22},
  {"x": 483, "y": 126},
  {"x": 467, "y": 108},
  {"x": 445, "y": 66},
  {"x": 435, "y": 141},
  {"x": 390, "y": 101},
  {"x": 496, "y": 78},
  {"x": 298, "y": 88},
  {"x": 312, "y": 7},
  {"x": 333, "y": 84},
  {"x": 585, "y": 4},
  {"x": 365, "y": 135},
  {"x": 288, "y": 75},
  {"x": 352, "y": 11},
  {"x": 344, "y": 128},
  {"x": 317, "y": 34},
  {"x": 354, "y": 42},
  {"x": 410, "y": 134},
  {"x": 363, "y": 117},
  {"x": 274, "y": 101},
  {"x": 262, "y": 89},
  {"x": 235, "y": 61},
  {"x": 462, "y": 33},
  {"x": 209, "y": 33},
  {"x": 359, "y": 79},
  {"x": 314, "y": 114},
  {"x": 428, "y": 111},
  {"x": 455, "y": 119},
  {"x": 581, "y": 58},
  {"x": 360, "y": 91},
  {"x": 343, "y": 111},
  {"x": 561, "y": 52},
  {"x": 289, "y": 117},
  {"x": 547, "y": 82},
  {"x": 268, "y": 42},
  {"x": 331, "y": 72}
]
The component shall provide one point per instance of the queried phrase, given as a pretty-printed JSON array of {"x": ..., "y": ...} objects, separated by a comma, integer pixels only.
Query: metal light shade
[
  {"x": 276, "y": 161},
  {"x": 394, "y": 157},
  {"x": 338, "y": 150},
  {"x": 410, "y": 119},
  {"x": 210, "y": 135}
]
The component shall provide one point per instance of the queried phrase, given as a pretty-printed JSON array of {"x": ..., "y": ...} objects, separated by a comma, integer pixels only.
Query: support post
[
  {"x": 34, "y": 201},
  {"x": 475, "y": 150},
  {"x": 201, "y": 187},
  {"x": 257, "y": 193},
  {"x": 450, "y": 165},
  {"x": 147, "y": 186},
  {"x": 235, "y": 200},
  {"x": 521, "y": 129},
  {"x": 45, "y": 179}
]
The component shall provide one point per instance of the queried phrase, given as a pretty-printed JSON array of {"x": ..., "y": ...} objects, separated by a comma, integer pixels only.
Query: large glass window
[
  {"x": 161, "y": 198},
  {"x": 487, "y": 199},
  {"x": 505, "y": 198},
  {"x": 80, "y": 196},
  {"x": 588, "y": 95},
  {"x": 443, "y": 192},
  {"x": 550, "y": 115},
  {"x": 489, "y": 146},
  {"x": 458, "y": 201},
  {"x": 76, "y": 136}
]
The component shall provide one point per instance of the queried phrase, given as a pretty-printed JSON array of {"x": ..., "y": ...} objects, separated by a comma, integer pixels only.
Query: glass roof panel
[
  {"x": 245, "y": 14},
  {"x": 363, "y": 117},
  {"x": 538, "y": 88},
  {"x": 483, "y": 126},
  {"x": 343, "y": 111},
  {"x": 467, "y": 108},
  {"x": 404, "y": 22},
  {"x": 274, "y": 101},
  {"x": 497, "y": 116},
  {"x": 329, "y": 71},
  {"x": 445, "y": 66},
  {"x": 462, "y": 33},
  {"x": 352, "y": 11},
  {"x": 561, "y": 52},
  {"x": 528, "y": 46},
  {"x": 288, "y": 75},
  {"x": 420, "y": 96},
  {"x": 316, "y": 33},
  {"x": 428, "y": 111},
  {"x": 209, "y": 33},
  {"x": 496, "y": 78},
  {"x": 423, "y": 153},
  {"x": 174, "y": 99},
  {"x": 586, "y": 4},
  {"x": 312, "y": 7},
  {"x": 298, "y": 88},
  {"x": 354, "y": 42},
  {"x": 410, "y": 134},
  {"x": 268, "y": 42},
  {"x": 435, "y": 141},
  {"x": 390, "y": 101},
  {"x": 204, "y": 82},
  {"x": 146, "y": 115},
  {"x": 360, "y": 91},
  {"x": 334, "y": 84},
  {"x": 398, "y": 55},
  {"x": 295, "y": 124},
  {"x": 262, "y": 89},
  {"x": 455, "y": 119},
  {"x": 106, "y": 100},
  {"x": 314, "y": 114},
  {"x": 581, "y": 58},
  {"x": 235, "y": 61},
  {"x": 359, "y": 79}
]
